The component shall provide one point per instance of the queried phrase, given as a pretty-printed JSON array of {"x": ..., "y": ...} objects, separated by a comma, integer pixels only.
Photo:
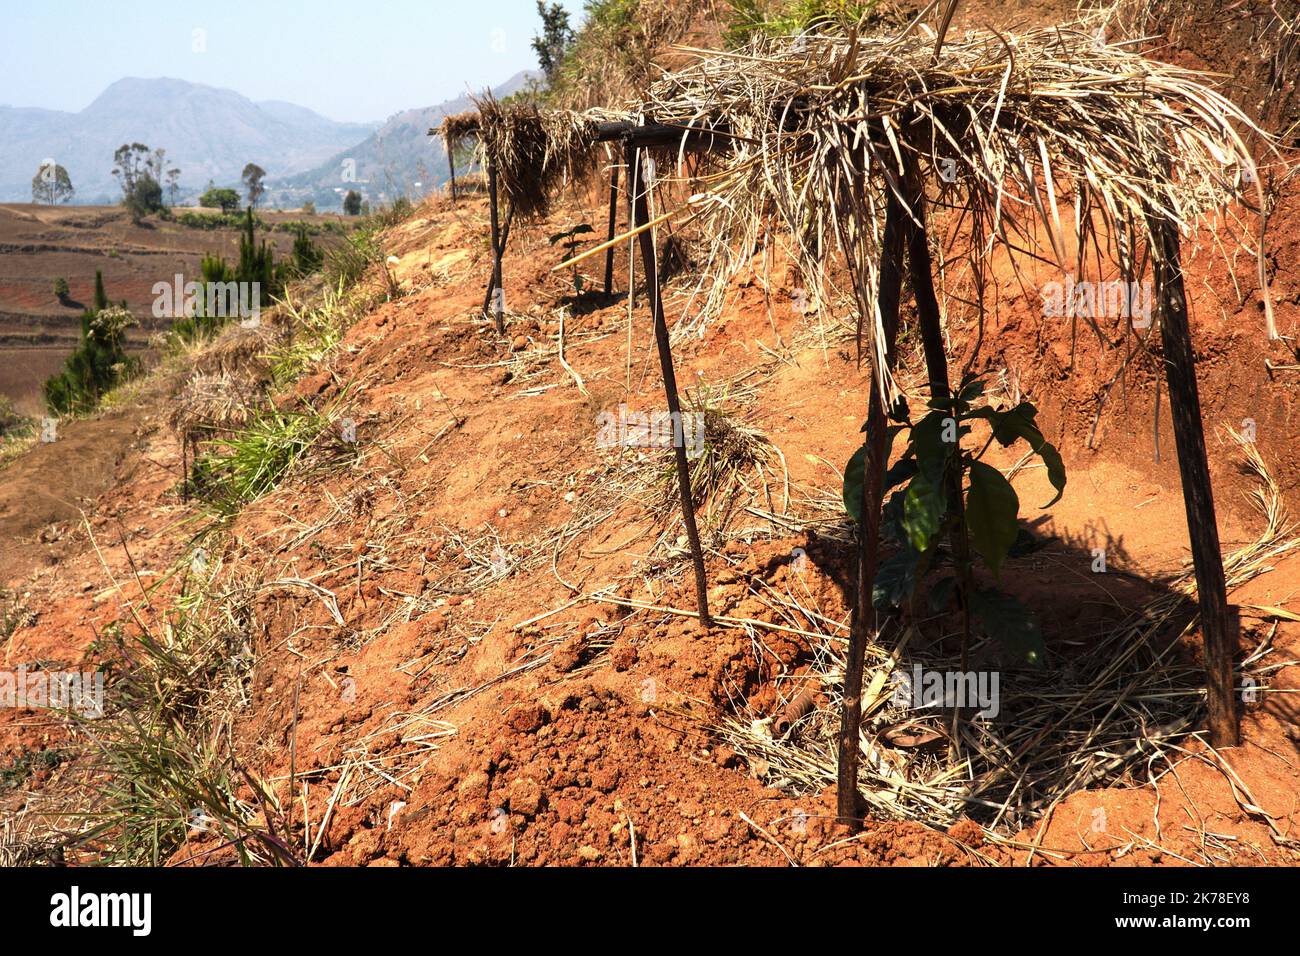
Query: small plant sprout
[
  {"x": 569, "y": 239},
  {"x": 946, "y": 489},
  {"x": 390, "y": 263}
]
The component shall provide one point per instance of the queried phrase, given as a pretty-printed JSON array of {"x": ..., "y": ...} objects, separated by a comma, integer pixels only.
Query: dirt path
[{"x": 46, "y": 491}]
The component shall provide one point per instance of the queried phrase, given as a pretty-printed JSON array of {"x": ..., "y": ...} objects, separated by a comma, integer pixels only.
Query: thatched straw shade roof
[
  {"x": 1007, "y": 128},
  {"x": 536, "y": 152},
  {"x": 456, "y": 128}
]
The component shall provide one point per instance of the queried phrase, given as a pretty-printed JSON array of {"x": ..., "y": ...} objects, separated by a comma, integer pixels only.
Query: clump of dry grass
[
  {"x": 733, "y": 461},
  {"x": 1270, "y": 29},
  {"x": 215, "y": 403},
  {"x": 242, "y": 350}
]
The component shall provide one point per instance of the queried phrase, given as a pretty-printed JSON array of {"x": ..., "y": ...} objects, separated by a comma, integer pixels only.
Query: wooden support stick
[
  {"x": 641, "y": 214},
  {"x": 936, "y": 367},
  {"x": 862, "y": 625},
  {"x": 1198, "y": 497},
  {"x": 451, "y": 166},
  {"x": 505, "y": 240},
  {"x": 613, "y": 223},
  {"x": 927, "y": 303},
  {"x": 498, "y": 306},
  {"x": 630, "y": 161}
]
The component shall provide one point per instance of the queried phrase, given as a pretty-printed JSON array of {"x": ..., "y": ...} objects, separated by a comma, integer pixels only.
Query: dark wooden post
[
  {"x": 921, "y": 269},
  {"x": 505, "y": 240},
  {"x": 613, "y": 221},
  {"x": 1198, "y": 497},
  {"x": 495, "y": 295},
  {"x": 862, "y": 624},
  {"x": 640, "y": 215},
  {"x": 633, "y": 180},
  {"x": 451, "y": 165}
]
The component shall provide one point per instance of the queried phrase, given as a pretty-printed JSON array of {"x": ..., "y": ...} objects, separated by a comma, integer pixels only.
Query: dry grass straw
[
  {"x": 1111, "y": 713},
  {"x": 536, "y": 152}
]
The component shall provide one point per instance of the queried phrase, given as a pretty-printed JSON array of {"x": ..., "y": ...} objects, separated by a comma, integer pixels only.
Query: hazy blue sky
[{"x": 346, "y": 59}]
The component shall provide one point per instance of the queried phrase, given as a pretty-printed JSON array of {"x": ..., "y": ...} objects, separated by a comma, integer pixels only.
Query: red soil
[
  {"x": 565, "y": 761},
  {"x": 575, "y": 737}
]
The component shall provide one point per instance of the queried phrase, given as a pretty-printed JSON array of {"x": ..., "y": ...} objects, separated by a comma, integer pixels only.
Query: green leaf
[
  {"x": 900, "y": 412},
  {"x": 1055, "y": 469},
  {"x": 971, "y": 388},
  {"x": 895, "y": 578},
  {"x": 891, "y": 519},
  {"x": 1007, "y": 621},
  {"x": 1020, "y": 422},
  {"x": 924, "y": 505},
  {"x": 941, "y": 593},
  {"x": 853, "y": 478},
  {"x": 900, "y": 471},
  {"x": 928, "y": 447},
  {"x": 991, "y": 510}
]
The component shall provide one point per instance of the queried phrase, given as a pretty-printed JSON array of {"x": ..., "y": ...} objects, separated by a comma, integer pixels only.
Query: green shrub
[
  {"x": 947, "y": 490},
  {"x": 790, "y": 17},
  {"x": 241, "y": 468},
  {"x": 12, "y": 422}
]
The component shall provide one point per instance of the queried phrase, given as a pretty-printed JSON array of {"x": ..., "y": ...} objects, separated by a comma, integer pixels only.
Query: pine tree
[{"x": 101, "y": 297}]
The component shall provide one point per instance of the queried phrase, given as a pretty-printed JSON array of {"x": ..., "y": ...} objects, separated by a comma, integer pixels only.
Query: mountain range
[{"x": 210, "y": 134}]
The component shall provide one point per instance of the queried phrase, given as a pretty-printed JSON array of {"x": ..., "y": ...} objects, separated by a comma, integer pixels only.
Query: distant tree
[
  {"x": 61, "y": 289},
  {"x": 352, "y": 203},
  {"x": 555, "y": 39},
  {"x": 252, "y": 177},
  {"x": 130, "y": 162},
  {"x": 51, "y": 184},
  {"x": 101, "y": 296},
  {"x": 309, "y": 208},
  {"x": 227, "y": 200},
  {"x": 139, "y": 172},
  {"x": 144, "y": 198},
  {"x": 173, "y": 183}
]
